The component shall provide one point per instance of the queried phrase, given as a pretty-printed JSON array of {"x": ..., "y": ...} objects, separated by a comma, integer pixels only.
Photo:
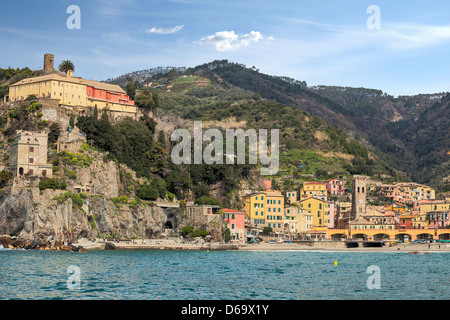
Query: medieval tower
[
  {"x": 48, "y": 62},
  {"x": 359, "y": 196}
]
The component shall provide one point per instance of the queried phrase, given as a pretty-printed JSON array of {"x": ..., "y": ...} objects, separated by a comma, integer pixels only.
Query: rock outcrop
[{"x": 32, "y": 214}]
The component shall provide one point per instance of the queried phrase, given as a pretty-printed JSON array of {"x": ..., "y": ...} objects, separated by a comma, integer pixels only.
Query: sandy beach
[{"x": 163, "y": 244}]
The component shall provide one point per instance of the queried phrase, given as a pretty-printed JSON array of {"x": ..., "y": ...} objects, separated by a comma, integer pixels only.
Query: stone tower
[
  {"x": 359, "y": 196},
  {"x": 29, "y": 154},
  {"x": 48, "y": 62}
]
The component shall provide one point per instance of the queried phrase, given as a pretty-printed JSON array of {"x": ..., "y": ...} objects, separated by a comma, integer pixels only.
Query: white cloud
[
  {"x": 229, "y": 40},
  {"x": 165, "y": 30}
]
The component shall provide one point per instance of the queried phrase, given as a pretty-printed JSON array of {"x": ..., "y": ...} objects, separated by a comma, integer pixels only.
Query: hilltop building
[
  {"x": 407, "y": 192},
  {"x": 335, "y": 186},
  {"x": 29, "y": 154},
  {"x": 70, "y": 90},
  {"x": 313, "y": 189}
]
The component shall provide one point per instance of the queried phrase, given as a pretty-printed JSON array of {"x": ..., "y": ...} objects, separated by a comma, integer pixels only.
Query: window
[
  {"x": 31, "y": 160},
  {"x": 256, "y": 198},
  {"x": 232, "y": 216},
  {"x": 232, "y": 226},
  {"x": 279, "y": 201},
  {"x": 31, "y": 149},
  {"x": 262, "y": 197}
]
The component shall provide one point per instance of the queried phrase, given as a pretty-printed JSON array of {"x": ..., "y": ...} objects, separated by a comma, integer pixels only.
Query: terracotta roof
[
  {"x": 91, "y": 83},
  {"x": 312, "y": 182},
  {"x": 232, "y": 211}
]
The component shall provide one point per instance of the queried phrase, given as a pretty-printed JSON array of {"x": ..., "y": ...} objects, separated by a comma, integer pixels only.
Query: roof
[
  {"x": 312, "y": 182},
  {"x": 315, "y": 198},
  {"x": 232, "y": 211},
  {"x": 361, "y": 220},
  {"x": 253, "y": 194},
  {"x": 91, "y": 83}
]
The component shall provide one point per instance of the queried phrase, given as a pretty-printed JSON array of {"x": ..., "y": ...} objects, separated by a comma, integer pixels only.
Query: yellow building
[
  {"x": 434, "y": 206},
  {"x": 297, "y": 220},
  {"x": 313, "y": 189},
  {"x": 71, "y": 91},
  {"x": 291, "y": 196},
  {"x": 275, "y": 210},
  {"x": 320, "y": 210},
  {"x": 254, "y": 205}
]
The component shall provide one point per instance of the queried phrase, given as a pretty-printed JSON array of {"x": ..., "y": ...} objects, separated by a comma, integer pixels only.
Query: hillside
[
  {"x": 310, "y": 148},
  {"x": 369, "y": 115}
]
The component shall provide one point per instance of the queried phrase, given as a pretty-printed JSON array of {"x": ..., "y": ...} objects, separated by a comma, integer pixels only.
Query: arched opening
[
  {"x": 381, "y": 236},
  {"x": 424, "y": 236},
  {"x": 20, "y": 171},
  {"x": 359, "y": 236},
  {"x": 338, "y": 236},
  {"x": 403, "y": 237},
  {"x": 444, "y": 236},
  {"x": 168, "y": 225}
]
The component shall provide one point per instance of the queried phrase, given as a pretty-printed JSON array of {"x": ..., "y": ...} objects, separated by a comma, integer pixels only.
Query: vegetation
[
  {"x": 66, "y": 65},
  {"x": 52, "y": 183}
]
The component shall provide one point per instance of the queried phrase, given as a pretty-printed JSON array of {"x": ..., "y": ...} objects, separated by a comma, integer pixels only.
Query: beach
[{"x": 177, "y": 244}]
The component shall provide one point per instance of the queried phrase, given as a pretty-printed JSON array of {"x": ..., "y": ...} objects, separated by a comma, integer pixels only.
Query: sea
[{"x": 223, "y": 275}]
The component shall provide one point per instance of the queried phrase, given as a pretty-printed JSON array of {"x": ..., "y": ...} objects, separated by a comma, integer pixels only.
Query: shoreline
[{"x": 330, "y": 246}]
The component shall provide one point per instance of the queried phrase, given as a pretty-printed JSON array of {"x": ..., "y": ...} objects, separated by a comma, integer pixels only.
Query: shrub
[
  {"x": 187, "y": 230},
  {"x": 199, "y": 233},
  {"x": 77, "y": 201},
  {"x": 147, "y": 192},
  {"x": 52, "y": 183}
]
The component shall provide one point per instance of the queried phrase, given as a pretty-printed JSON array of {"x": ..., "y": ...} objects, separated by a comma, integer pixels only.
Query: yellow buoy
[
  {"x": 335, "y": 263},
  {"x": 207, "y": 250}
]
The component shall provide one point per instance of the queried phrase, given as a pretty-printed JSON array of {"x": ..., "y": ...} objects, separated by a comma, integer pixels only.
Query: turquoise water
[{"x": 231, "y": 275}]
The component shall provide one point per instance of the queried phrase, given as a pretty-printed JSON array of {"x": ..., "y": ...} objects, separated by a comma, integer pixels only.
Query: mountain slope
[{"x": 367, "y": 114}]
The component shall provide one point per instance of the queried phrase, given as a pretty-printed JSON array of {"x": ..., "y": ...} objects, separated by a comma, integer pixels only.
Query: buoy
[
  {"x": 207, "y": 250},
  {"x": 335, "y": 262}
]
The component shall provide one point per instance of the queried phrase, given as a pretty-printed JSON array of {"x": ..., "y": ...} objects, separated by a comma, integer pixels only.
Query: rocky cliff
[{"x": 34, "y": 214}]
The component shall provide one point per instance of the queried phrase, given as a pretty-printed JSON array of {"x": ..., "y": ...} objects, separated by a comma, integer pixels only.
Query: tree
[
  {"x": 147, "y": 192},
  {"x": 227, "y": 235},
  {"x": 5, "y": 176},
  {"x": 66, "y": 65},
  {"x": 267, "y": 230},
  {"x": 147, "y": 100},
  {"x": 54, "y": 132},
  {"x": 131, "y": 90}
]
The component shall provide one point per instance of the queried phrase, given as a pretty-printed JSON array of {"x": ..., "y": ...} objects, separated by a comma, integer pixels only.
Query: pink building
[
  {"x": 267, "y": 184},
  {"x": 235, "y": 222},
  {"x": 332, "y": 215},
  {"x": 335, "y": 186}
]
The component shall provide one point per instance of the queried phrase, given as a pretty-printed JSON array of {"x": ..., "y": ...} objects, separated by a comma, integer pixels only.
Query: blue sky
[{"x": 320, "y": 42}]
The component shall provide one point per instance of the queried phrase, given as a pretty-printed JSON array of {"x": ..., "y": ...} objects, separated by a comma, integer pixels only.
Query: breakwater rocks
[{"x": 37, "y": 244}]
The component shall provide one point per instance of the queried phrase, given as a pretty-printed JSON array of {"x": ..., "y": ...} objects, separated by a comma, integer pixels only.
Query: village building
[
  {"x": 235, "y": 221},
  {"x": 29, "y": 154},
  {"x": 335, "y": 186},
  {"x": 313, "y": 189}
]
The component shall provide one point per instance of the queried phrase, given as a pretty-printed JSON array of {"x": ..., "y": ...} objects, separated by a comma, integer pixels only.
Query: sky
[{"x": 400, "y": 47}]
